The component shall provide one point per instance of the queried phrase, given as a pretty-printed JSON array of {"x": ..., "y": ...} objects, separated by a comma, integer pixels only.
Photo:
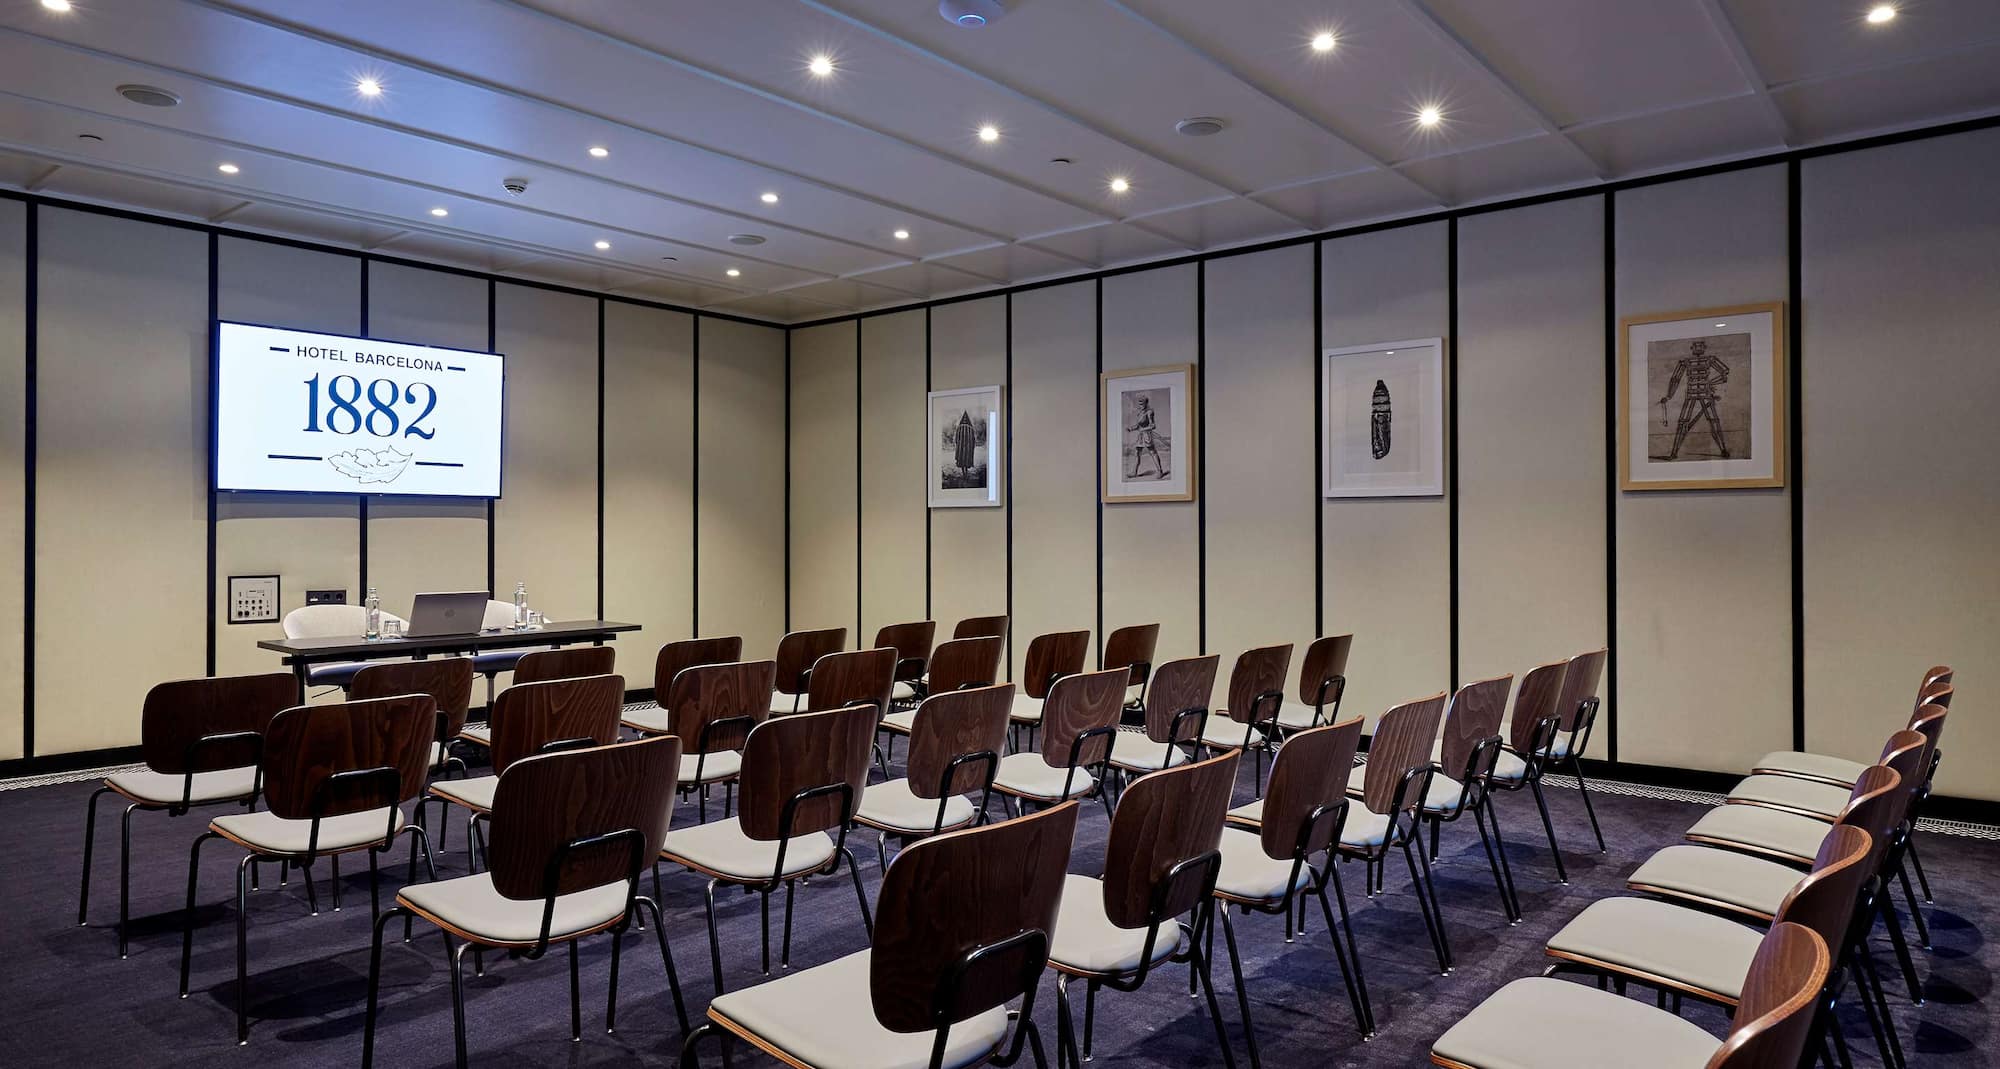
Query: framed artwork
[
  {"x": 965, "y": 457},
  {"x": 1383, "y": 413},
  {"x": 1701, "y": 399},
  {"x": 1148, "y": 449}
]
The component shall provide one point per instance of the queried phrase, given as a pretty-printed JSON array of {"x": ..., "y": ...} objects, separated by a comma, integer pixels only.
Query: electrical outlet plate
[
  {"x": 253, "y": 599},
  {"x": 326, "y": 597}
]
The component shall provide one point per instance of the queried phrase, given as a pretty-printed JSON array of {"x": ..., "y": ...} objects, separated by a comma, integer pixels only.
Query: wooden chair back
[
  {"x": 800, "y": 650},
  {"x": 1258, "y": 674},
  {"x": 1937, "y": 673},
  {"x": 1473, "y": 716},
  {"x": 1824, "y": 901},
  {"x": 1905, "y": 753},
  {"x": 546, "y": 802},
  {"x": 1132, "y": 647},
  {"x": 787, "y": 755},
  {"x": 1310, "y": 771},
  {"x": 735, "y": 697},
  {"x": 1323, "y": 674},
  {"x": 1051, "y": 657},
  {"x": 448, "y": 679},
  {"x": 529, "y": 716},
  {"x": 1080, "y": 703},
  {"x": 951, "y": 894},
  {"x": 1164, "y": 819},
  {"x": 1774, "y": 1018},
  {"x": 1402, "y": 741},
  {"x": 1874, "y": 807},
  {"x": 1579, "y": 685},
  {"x": 856, "y": 677},
  {"x": 951, "y": 724},
  {"x": 1188, "y": 683},
  {"x": 677, "y": 657},
  {"x": 1929, "y": 722},
  {"x": 307, "y": 745},
  {"x": 570, "y": 662},
  {"x": 981, "y": 627},
  {"x": 179, "y": 713},
  {"x": 1936, "y": 692},
  {"x": 912, "y": 643},
  {"x": 966, "y": 660},
  {"x": 1534, "y": 702}
]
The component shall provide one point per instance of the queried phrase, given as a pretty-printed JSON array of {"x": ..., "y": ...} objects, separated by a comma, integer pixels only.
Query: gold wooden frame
[
  {"x": 1104, "y": 379},
  {"x": 1780, "y": 385}
]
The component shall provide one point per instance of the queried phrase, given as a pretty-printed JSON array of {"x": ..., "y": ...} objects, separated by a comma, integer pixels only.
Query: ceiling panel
[
  {"x": 1530, "y": 164},
  {"x": 136, "y": 192},
  {"x": 1794, "y": 39},
  {"x": 1962, "y": 84},
  {"x": 1662, "y": 140},
  {"x": 1352, "y": 199},
  {"x": 1010, "y": 261},
  {"x": 1227, "y": 222},
  {"x": 1102, "y": 246}
]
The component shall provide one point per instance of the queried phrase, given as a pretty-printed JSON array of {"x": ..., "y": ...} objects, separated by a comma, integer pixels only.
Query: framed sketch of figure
[
  {"x": 1701, "y": 399},
  {"x": 1147, "y": 452},
  {"x": 966, "y": 453},
  {"x": 1383, "y": 413}
]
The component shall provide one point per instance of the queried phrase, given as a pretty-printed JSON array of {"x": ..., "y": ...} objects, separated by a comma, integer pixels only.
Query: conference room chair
[
  {"x": 332, "y": 621},
  {"x": 673, "y": 659},
  {"x": 541, "y": 666},
  {"x": 530, "y": 719},
  {"x": 1132, "y": 647},
  {"x": 712, "y": 708},
  {"x": 1322, "y": 683},
  {"x": 1396, "y": 780},
  {"x": 1840, "y": 771},
  {"x": 1467, "y": 752},
  {"x": 803, "y": 778},
  {"x": 572, "y": 832},
  {"x": 1176, "y": 708},
  {"x": 499, "y": 616},
  {"x": 335, "y": 779},
  {"x": 1256, "y": 692},
  {"x": 959, "y": 664},
  {"x": 1540, "y": 1021},
  {"x": 1080, "y": 718},
  {"x": 448, "y": 680},
  {"x": 1155, "y": 899},
  {"x": 1824, "y": 801},
  {"x": 1050, "y": 657},
  {"x": 912, "y": 643},
  {"x": 1576, "y": 706},
  {"x": 967, "y": 919},
  {"x": 201, "y": 741},
  {"x": 1524, "y": 756},
  {"x": 956, "y": 738},
  {"x": 981, "y": 627},
  {"x": 797, "y": 652},
  {"x": 1271, "y": 869}
]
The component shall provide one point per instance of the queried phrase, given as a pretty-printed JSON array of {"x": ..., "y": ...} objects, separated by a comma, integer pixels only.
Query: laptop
[{"x": 439, "y": 615}]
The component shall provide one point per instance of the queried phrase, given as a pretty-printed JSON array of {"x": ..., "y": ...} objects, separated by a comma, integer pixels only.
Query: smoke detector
[
  {"x": 1201, "y": 125},
  {"x": 746, "y": 239},
  {"x": 514, "y": 186},
  {"x": 971, "y": 14},
  {"x": 150, "y": 95}
]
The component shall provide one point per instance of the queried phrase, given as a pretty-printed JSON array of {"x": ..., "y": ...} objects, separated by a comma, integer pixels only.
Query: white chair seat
[
  {"x": 903, "y": 692},
  {"x": 715, "y": 767},
  {"x": 903, "y": 722},
  {"x": 1027, "y": 775},
  {"x": 268, "y": 833},
  {"x": 782, "y": 703},
  {"x": 439, "y": 751},
  {"x": 1753, "y": 828},
  {"x": 471, "y": 905},
  {"x": 479, "y": 733},
  {"x": 1508, "y": 767},
  {"x": 1086, "y": 940},
  {"x": 651, "y": 719},
  {"x": 1250, "y": 814},
  {"x": 1738, "y": 881},
  {"x": 472, "y": 792},
  {"x": 1542, "y": 1023},
  {"x": 894, "y": 807},
  {"x": 160, "y": 788},
  {"x": 825, "y": 1017},
  {"x": 1135, "y": 692},
  {"x": 1134, "y": 752},
  {"x": 1250, "y": 873},
  {"x": 1297, "y": 716},
  {"x": 1560, "y": 747},
  {"x": 1442, "y": 799},
  {"x": 720, "y": 847},
  {"x": 1026, "y": 710},
  {"x": 1793, "y": 795},
  {"x": 1225, "y": 734},
  {"x": 1810, "y": 766},
  {"x": 1642, "y": 935},
  {"x": 1365, "y": 828}
]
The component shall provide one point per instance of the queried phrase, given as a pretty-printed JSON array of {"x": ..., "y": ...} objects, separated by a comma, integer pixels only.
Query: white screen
[{"x": 327, "y": 413}]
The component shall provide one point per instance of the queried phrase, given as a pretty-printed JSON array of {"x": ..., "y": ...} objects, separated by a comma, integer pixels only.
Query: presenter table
[{"x": 302, "y": 653}]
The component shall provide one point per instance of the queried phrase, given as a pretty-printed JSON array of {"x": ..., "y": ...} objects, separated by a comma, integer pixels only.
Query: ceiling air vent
[
  {"x": 746, "y": 239},
  {"x": 1201, "y": 126},
  {"x": 149, "y": 95}
]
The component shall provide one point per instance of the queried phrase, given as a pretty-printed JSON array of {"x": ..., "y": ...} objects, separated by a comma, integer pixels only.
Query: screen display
[{"x": 326, "y": 413}]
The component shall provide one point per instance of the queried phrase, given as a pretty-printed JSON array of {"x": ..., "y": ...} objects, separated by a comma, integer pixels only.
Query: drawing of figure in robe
[
  {"x": 963, "y": 440},
  {"x": 1378, "y": 421}
]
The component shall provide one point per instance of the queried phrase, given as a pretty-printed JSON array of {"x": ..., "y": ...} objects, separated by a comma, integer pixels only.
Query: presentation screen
[{"x": 326, "y": 413}]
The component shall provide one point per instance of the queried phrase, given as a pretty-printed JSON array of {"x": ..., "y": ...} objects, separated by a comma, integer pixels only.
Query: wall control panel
[{"x": 253, "y": 599}]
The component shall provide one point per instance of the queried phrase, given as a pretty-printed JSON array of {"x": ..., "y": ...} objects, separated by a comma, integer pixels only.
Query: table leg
[{"x": 299, "y": 672}]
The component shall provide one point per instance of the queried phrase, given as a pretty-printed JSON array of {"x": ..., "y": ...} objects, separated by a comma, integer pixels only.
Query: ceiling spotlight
[
  {"x": 769, "y": 198},
  {"x": 599, "y": 151},
  {"x": 603, "y": 246},
  {"x": 1322, "y": 42},
  {"x": 902, "y": 235},
  {"x": 1722, "y": 324},
  {"x": 368, "y": 87},
  {"x": 61, "y": 7},
  {"x": 971, "y": 14},
  {"x": 440, "y": 212},
  {"x": 821, "y": 66},
  {"x": 1430, "y": 116},
  {"x": 228, "y": 168},
  {"x": 732, "y": 272},
  {"x": 1120, "y": 185},
  {"x": 989, "y": 133},
  {"x": 1878, "y": 14}
]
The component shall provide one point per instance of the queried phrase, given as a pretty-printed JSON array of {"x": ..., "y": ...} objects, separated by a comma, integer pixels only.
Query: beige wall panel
[
  {"x": 13, "y": 470},
  {"x": 969, "y": 545},
  {"x": 1704, "y": 577},
  {"x": 1260, "y": 413},
  {"x": 824, "y": 529},
  {"x": 436, "y": 543},
  {"x": 1900, "y": 382},
  {"x": 545, "y": 524},
  {"x": 1531, "y": 437},
  {"x": 310, "y": 541},
  {"x": 893, "y": 506},
  {"x": 121, "y": 434},
  {"x": 1152, "y": 550},
  {"x": 1388, "y": 574},
  {"x": 648, "y": 480},
  {"x": 742, "y": 480},
  {"x": 1055, "y": 486}
]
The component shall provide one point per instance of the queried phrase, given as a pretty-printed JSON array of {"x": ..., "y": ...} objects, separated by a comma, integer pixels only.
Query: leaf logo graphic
[{"x": 370, "y": 465}]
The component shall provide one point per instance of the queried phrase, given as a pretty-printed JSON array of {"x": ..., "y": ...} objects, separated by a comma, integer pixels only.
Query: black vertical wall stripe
[
  {"x": 927, "y": 448},
  {"x": 1007, "y": 452},
  {"x": 361, "y": 500},
  {"x": 1610, "y": 279},
  {"x": 1319, "y": 441},
  {"x": 30, "y": 376},
  {"x": 208, "y": 492},
  {"x": 1795, "y": 435},
  {"x": 600, "y": 460},
  {"x": 1451, "y": 423},
  {"x": 860, "y": 471},
  {"x": 694, "y": 487},
  {"x": 1201, "y": 454},
  {"x": 788, "y": 482},
  {"x": 1097, "y": 420},
  {"x": 492, "y": 343}
]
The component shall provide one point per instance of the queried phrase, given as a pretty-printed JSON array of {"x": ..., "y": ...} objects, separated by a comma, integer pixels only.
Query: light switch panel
[{"x": 253, "y": 599}]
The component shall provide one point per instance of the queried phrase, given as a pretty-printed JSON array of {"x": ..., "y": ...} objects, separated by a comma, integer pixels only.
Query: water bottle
[
  {"x": 372, "y": 614},
  {"x": 520, "y": 606}
]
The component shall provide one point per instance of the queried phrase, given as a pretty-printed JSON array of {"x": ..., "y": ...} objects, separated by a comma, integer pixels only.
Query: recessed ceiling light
[
  {"x": 989, "y": 132},
  {"x": 1722, "y": 324},
  {"x": 1322, "y": 42},
  {"x": 150, "y": 95},
  {"x": 902, "y": 235},
  {"x": 368, "y": 87},
  {"x": 59, "y": 6},
  {"x": 821, "y": 66},
  {"x": 228, "y": 168},
  {"x": 89, "y": 137},
  {"x": 603, "y": 246},
  {"x": 1120, "y": 185},
  {"x": 1061, "y": 160},
  {"x": 671, "y": 259},
  {"x": 1878, "y": 14},
  {"x": 440, "y": 212},
  {"x": 732, "y": 272},
  {"x": 1430, "y": 116},
  {"x": 769, "y": 198},
  {"x": 599, "y": 151}
]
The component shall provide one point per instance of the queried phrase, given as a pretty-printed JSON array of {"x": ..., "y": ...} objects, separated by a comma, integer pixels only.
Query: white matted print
[
  {"x": 1383, "y": 409},
  {"x": 965, "y": 456},
  {"x": 1148, "y": 449},
  {"x": 1701, "y": 399}
]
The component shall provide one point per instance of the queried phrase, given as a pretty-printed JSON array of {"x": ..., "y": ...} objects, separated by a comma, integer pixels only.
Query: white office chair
[
  {"x": 499, "y": 616},
  {"x": 333, "y": 621}
]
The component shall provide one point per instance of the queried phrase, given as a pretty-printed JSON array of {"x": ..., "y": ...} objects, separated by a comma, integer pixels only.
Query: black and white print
[
  {"x": 965, "y": 449},
  {"x": 1383, "y": 413}
]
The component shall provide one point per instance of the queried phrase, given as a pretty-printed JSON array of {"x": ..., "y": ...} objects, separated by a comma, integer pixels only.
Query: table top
[{"x": 355, "y": 647}]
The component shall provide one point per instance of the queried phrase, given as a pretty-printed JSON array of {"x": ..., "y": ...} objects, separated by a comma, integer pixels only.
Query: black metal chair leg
[
  {"x": 764, "y": 920},
  {"x": 1430, "y": 887},
  {"x": 1208, "y": 987},
  {"x": 312, "y": 893},
  {"x": 374, "y": 880},
  {"x": 1492, "y": 862},
  {"x": 785, "y": 947},
  {"x": 575, "y": 997},
  {"x": 187, "y": 925},
  {"x": 1548, "y": 826},
  {"x": 125, "y": 878},
  {"x": 1903, "y": 958},
  {"x": 861, "y": 893},
  {"x": 1916, "y": 912},
  {"x": 667, "y": 959},
  {"x": 1866, "y": 969},
  {"x": 374, "y": 988},
  {"x": 1583, "y": 788},
  {"x": 1066, "y": 1057},
  {"x": 1437, "y": 826},
  {"x": 714, "y": 942},
  {"x": 1424, "y": 906},
  {"x": 1923, "y": 881},
  {"x": 243, "y": 950},
  {"x": 457, "y": 954},
  {"x": 89, "y": 842},
  {"x": 611, "y": 991},
  {"x": 1242, "y": 996},
  {"x": 1089, "y": 1016},
  {"x": 1492, "y": 812},
  {"x": 334, "y": 883},
  {"x": 688, "y": 1060},
  {"x": 1350, "y": 962}
]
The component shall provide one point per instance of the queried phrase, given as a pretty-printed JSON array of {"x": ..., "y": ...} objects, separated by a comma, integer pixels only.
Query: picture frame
[
  {"x": 1148, "y": 449},
  {"x": 1702, "y": 399},
  {"x": 1383, "y": 419},
  {"x": 965, "y": 454}
]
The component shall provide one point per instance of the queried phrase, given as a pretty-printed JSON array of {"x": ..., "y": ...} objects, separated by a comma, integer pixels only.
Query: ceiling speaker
[
  {"x": 151, "y": 96},
  {"x": 971, "y": 13}
]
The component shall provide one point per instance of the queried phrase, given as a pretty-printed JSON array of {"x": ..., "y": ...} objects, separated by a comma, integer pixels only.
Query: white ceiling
[{"x": 706, "y": 104}]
